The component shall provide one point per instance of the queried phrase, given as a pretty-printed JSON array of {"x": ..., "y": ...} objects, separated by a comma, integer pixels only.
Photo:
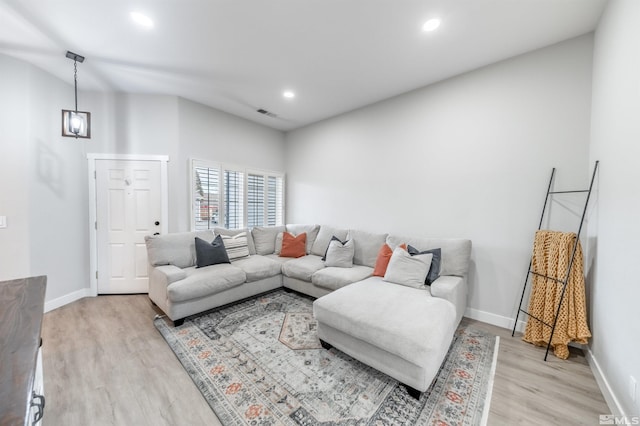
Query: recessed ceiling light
[
  {"x": 141, "y": 19},
  {"x": 289, "y": 94},
  {"x": 431, "y": 24}
]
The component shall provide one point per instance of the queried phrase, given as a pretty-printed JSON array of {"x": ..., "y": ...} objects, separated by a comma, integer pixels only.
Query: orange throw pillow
[
  {"x": 384, "y": 256},
  {"x": 293, "y": 246}
]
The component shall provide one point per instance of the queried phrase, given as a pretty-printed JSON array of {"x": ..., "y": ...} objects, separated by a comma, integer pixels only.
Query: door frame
[{"x": 93, "y": 201}]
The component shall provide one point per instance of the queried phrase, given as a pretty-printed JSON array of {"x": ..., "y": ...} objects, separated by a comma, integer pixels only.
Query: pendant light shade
[{"x": 76, "y": 123}]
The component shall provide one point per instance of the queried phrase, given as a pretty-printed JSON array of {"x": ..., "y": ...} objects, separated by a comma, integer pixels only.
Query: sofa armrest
[
  {"x": 453, "y": 289},
  {"x": 171, "y": 273},
  {"x": 159, "y": 279}
]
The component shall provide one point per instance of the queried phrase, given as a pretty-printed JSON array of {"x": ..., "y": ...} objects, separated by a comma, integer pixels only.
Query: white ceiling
[{"x": 240, "y": 55}]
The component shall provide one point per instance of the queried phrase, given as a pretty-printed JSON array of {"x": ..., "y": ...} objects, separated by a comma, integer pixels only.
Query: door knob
[
  {"x": 157, "y": 223},
  {"x": 156, "y": 233}
]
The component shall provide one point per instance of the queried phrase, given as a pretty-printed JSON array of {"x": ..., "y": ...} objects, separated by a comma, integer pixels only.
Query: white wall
[
  {"x": 468, "y": 157},
  {"x": 125, "y": 123},
  {"x": 14, "y": 158},
  {"x": 43, "y": 183},
  {"x": 615, "y": 232}
]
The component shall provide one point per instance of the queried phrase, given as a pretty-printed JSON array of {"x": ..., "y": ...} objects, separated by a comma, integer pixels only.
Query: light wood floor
[{"x": 106, "y": 364}]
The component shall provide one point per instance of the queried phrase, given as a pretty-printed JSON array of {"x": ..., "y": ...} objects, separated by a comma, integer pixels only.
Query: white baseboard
[
  {"x": 603, "y": 384},
  {"x": 66, "y": 299},
  {"x": 494, "y": 319}
]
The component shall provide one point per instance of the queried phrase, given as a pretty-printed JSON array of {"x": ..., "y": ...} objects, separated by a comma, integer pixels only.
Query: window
[
  {"x": 206, "y": 197},
  {"x": 234, "y": 197},
  {"x": 265, "y": 200}
]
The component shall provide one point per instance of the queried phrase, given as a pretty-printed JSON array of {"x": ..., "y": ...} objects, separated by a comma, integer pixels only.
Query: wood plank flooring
[{"x": 106, "y": 364}]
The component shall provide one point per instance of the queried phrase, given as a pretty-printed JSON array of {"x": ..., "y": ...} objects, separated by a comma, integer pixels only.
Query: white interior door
[{"x": 128, "y": 207}]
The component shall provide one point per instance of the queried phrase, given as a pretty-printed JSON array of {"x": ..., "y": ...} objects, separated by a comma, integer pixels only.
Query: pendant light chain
[{"x": 75, "y": 82}]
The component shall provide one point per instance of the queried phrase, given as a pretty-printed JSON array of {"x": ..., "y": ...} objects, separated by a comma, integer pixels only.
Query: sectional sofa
[{"x": 400, "y": 330}]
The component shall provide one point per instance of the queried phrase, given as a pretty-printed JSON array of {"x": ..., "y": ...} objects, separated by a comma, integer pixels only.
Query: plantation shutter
[
  {"x": 275, "y": 200},
  {"x": 265, "y": 199},
  {"x": 234, "y": 199},
  {"x": 255, "y": 200},
  {"x": 206, "y": 197}
]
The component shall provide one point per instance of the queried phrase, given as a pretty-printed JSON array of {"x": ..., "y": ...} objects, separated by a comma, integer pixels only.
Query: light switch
[{"x": 3, "y": 221}]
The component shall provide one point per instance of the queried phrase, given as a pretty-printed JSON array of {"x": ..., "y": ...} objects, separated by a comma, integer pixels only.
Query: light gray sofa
[{"x": 402, "y": 331}]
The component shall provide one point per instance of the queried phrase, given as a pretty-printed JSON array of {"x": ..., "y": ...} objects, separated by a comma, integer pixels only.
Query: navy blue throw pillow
[
  {"x": 434, "y": 270},
  {"x": 211, "y": 253}
]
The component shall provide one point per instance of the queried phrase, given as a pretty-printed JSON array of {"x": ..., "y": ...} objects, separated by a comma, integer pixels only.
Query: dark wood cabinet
[{"x": 21, "y": 312}]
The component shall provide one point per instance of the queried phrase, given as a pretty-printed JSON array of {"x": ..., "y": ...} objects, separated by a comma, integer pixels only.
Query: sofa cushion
[
  {"x": 367, "y": 246},
  {"x": 339, "y": 254},
  {"x": 293, "y": 246},
  {"x": 456, "y": 253},
  {"x": 236, "y": 246},
  {"x": 333, "y": 278},
  {"x": 311, "y": 231},
  {"x": 210, "y": 253},
  {"x": 407, "y": 269},
  {"x": 258, "y": 267},
  {"x": 177, "y": 249},
  {"x": 234, "y": 232},
  {"x": 264, "y": 238},
  {"x": 277, "y": 258},
  {"x": 404, "y": 321},
  {"x": 205, "y": 281},
  {"x": 303, "y": 268},
  {"x": 434, "y": 270},
  {"x": 325, "y": 233}
]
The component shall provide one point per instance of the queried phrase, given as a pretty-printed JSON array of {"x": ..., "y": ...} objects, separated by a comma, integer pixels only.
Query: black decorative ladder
[{"x": 573, "y": 255}]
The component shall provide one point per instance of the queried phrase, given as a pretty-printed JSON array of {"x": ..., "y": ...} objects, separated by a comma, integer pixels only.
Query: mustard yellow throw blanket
[{"x": 551, "y": 256}]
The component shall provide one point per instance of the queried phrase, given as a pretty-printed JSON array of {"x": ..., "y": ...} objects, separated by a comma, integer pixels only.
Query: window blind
[
  {"x": 233, "y": 199},
  {"x": 206, "y": 197},
  {"x": 255, "y": 200}
]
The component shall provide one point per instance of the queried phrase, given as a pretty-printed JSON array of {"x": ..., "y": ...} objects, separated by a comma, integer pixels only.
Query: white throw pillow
[
  {"x": 408, "y": 270},
  {"x": 340, "y": 255},
  {"x": 234, "y": 232},
  {"x": 236, "y": 246}
]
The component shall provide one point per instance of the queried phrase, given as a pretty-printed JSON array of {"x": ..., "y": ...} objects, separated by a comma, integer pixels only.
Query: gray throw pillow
[
  {"x": 408, "y": 270},
  {"x": 340, "y": 254},
  {"x": 211, "y": 253},
  {"x": 434, "y": 270},
  {"x": 264, "y": 238}
]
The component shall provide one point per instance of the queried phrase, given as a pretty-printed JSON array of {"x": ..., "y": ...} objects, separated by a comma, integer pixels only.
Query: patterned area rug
[{"x": 259, "y": 362}]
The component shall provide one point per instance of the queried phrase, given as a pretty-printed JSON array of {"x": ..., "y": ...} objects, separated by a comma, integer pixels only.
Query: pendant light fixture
[{"x": 76, "y": 123}]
